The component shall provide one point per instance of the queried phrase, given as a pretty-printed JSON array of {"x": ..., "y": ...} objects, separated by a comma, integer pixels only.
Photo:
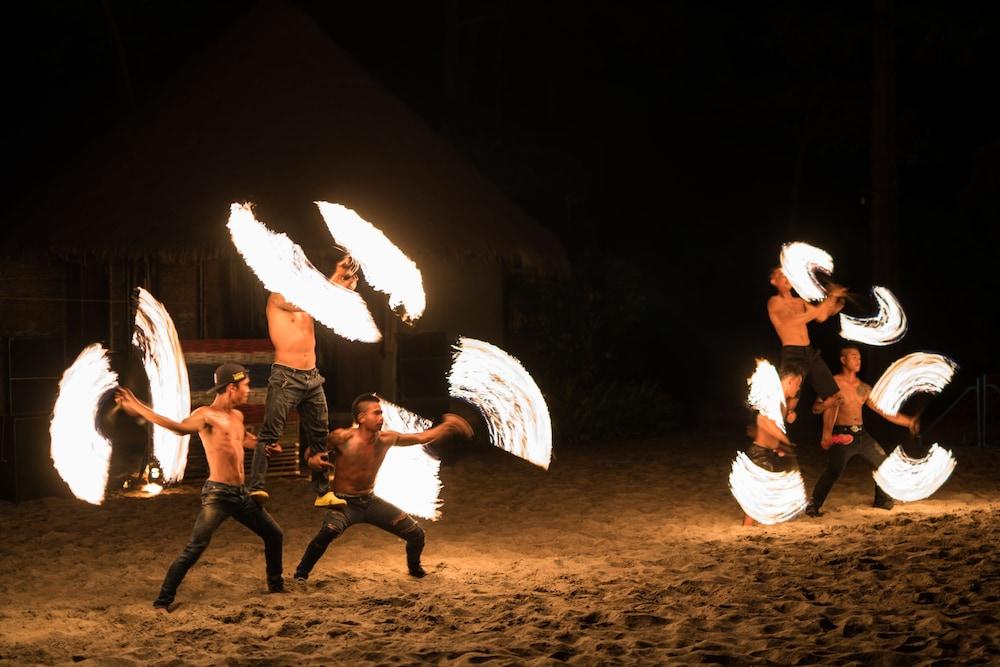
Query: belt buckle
[{"x": 855, "y": 428}]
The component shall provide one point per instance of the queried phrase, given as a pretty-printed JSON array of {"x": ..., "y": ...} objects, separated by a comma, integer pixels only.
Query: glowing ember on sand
[
  {"x": 497, "y": 384},
  {"x": 909, "y": 479},
  {"x": 767, "y": 497},
  {"x": 800, "y": 262},
  {"x": 283, "y": 267},
  {"x": 766, "y": 395},
  {"x": 408, "y": 477},
  {"x": 914, "y": 373},
  {"x": 384, "y": 265},
  {"x": 80, "y": 453},
  {"x": 170, "y": 393},
  {"x": 887, "y": 327}
]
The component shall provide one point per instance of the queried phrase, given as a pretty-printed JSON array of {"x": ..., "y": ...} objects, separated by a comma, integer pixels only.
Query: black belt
[{"x": 853, "y": 428}]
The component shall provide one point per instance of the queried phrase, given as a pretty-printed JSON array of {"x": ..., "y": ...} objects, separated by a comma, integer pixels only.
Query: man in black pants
[
  {"x": 848, "y": 425},
  {"x": 358, "y": 453},
  {"x": 220, "y": 426}
]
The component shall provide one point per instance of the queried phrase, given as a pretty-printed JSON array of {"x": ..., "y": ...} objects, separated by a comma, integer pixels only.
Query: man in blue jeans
[
  {"x": 295, "y": 382},
  {"x": 222, "y": 433},
  {"x": 357, "y": 455}
]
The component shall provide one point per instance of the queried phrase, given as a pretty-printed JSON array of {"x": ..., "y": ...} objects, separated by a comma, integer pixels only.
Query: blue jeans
[
  {"x": 368, "y": 509},
  {"x": 289, "y": 388},
  {"x": 219, "y": 502},
  {"x": 864, "y": 446}
]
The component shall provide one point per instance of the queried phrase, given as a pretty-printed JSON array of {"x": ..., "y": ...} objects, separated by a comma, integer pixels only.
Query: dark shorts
[
  {"x": 769, "y": 460},
  {"x": 817, "y": 372}
]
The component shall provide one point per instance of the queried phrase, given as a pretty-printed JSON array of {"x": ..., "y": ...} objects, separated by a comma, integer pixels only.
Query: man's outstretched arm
[
  {"x": 133, "y": 406},
  {"x": 452, "y": 425}
]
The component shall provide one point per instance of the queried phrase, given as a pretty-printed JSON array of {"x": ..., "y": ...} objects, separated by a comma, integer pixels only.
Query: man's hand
[
  {"x": 320, "y": 462},
  {"x": 271, "y": 449},
  {"x": 914, "y": 425},
  {"x": 457, "y": 425},
  {"x": 126, "y": 400},
  {"x": 790, "y": 417}
]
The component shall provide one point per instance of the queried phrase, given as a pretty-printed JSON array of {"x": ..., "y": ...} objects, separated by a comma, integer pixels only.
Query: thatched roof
[{"x": 275, "y": 113}]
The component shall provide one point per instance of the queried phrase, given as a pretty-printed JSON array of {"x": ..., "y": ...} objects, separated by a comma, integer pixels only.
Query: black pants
[
  {"x": 363, "y": 509},
  {"x": 816, "y": 370},
  {"x": 864, "y": 446},
  {"x": 219, "y": 502}
]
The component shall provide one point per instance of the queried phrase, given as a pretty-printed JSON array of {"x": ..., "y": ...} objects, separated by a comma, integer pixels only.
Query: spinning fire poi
[{"x": 765, "y": 480}]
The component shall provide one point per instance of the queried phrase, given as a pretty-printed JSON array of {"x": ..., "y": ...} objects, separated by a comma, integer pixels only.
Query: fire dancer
[
  {"x": 790, "y": 315},
  {"x": 357, "y": 454},
  {"x": 222, "y": 433},
  {"x": 849, "y": 425},
  {"x": 771, "y": 449},
  {"x": 295, "y": 382}
]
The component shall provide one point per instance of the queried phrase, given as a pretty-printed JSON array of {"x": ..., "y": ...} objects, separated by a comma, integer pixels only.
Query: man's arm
[
  {"x": 911, "y": 423},
  {"x": 451, "y": 425},
  {"x": 277, "y": 300},
  {"x": 133, "y": 406},
  {"x": 780, "y": 317},
  {"x": 767, "y": 425},
  {"x": 249, "y": 440}
]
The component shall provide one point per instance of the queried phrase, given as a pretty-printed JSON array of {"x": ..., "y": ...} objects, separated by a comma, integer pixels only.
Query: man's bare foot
[{"x": 747, "y": 521}]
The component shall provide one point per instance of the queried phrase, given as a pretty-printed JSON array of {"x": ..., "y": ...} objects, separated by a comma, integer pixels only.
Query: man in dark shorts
[
  {"x": 771, "y": 449},
  {"x": 357, "y": 455},
  {"x": 790, "y": 314},
  {"x": 849, "y": 426}
]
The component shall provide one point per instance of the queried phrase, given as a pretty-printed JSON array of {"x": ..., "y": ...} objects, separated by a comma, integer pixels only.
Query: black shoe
[
  {"x": 813, "y": 511},
  {"x": 886, "y": 504},
  {"x": 417, "y": 571},
  {"x": 277, "y": 587}
]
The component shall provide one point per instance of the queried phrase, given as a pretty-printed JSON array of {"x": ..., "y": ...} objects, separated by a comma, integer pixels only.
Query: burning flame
[
  {"x": 886, "y": 328},
  {"x": 497, "y": 384},
  {"x": 170, "y": 393},
  {"x": 80, "y": 453},
  {"x": 767, "y": 497},
  {"x": 283, "y": 267},
  {"x": 799, "y": 263},
  {"x": 914, "y": 373},
  {"x": 766, "y": 393},
  {"x": 408, "y": 477},
  {"x": 152, "y": 489},
  {"x": 385, "y": 266},
  {"x": 909, "y": 479}
]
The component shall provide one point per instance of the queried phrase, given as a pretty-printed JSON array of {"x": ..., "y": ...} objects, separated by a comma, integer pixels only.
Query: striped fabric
[{"x": 203, "y": 357}]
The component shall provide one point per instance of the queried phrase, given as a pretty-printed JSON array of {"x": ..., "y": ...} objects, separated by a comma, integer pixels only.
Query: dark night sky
[{"x": 658, "y": 140}]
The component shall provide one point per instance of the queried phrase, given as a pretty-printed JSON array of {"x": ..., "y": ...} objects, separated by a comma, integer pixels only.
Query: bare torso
[
  {"x": 292, "y": 334},
  {"x": 358, "y": 459},
  {"x": 855, "y": 393},
  {"x": 222, "y": 438},
  {"x": 782, "y": 309}
]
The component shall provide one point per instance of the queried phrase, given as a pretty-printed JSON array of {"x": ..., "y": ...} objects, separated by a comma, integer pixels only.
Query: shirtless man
[
  {"x": 790, "y": 315},
  {"x": 849, "y": 425},
  {"x": 223, "y": 495},
  {"x": 296, "y": 383},
  {"x": 771, "y": 449},
  {"x": 357, "y": 455}
]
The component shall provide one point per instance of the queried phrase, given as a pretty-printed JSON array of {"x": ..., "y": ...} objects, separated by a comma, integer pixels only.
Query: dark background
[{"x": 672, "y": 147}]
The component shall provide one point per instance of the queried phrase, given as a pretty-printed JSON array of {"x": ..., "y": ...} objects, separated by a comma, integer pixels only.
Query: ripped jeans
[{"x": 368, "y": 509}]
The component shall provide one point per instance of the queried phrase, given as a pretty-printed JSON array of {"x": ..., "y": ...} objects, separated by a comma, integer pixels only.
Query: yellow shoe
[
  {"x": 329, "y": 500},
  {"x": 260, "y": 495}
]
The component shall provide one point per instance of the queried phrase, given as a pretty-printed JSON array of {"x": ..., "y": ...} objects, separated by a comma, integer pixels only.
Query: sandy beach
[{"x": 622, "y": 553}]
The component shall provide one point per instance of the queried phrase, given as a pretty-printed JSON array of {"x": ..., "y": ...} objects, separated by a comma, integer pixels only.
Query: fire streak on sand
[
  {"x": 283, "y": 267},
  {"x": 156, "y": 338},
  {"x": 799, "y": 263},
  {"x": 408, "y": 477},
  {"x": 888, "y": 326},
  {"x": 79, "y": 452},
  {"x": 766, "y": 395},
  {"x": 914, "y": 373},
  {"x": 767, "y": 497},
  {"x": 513, "y": 405},
  {"x": 909, "y": 479},
  {"x": 385, "y": 267}
]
